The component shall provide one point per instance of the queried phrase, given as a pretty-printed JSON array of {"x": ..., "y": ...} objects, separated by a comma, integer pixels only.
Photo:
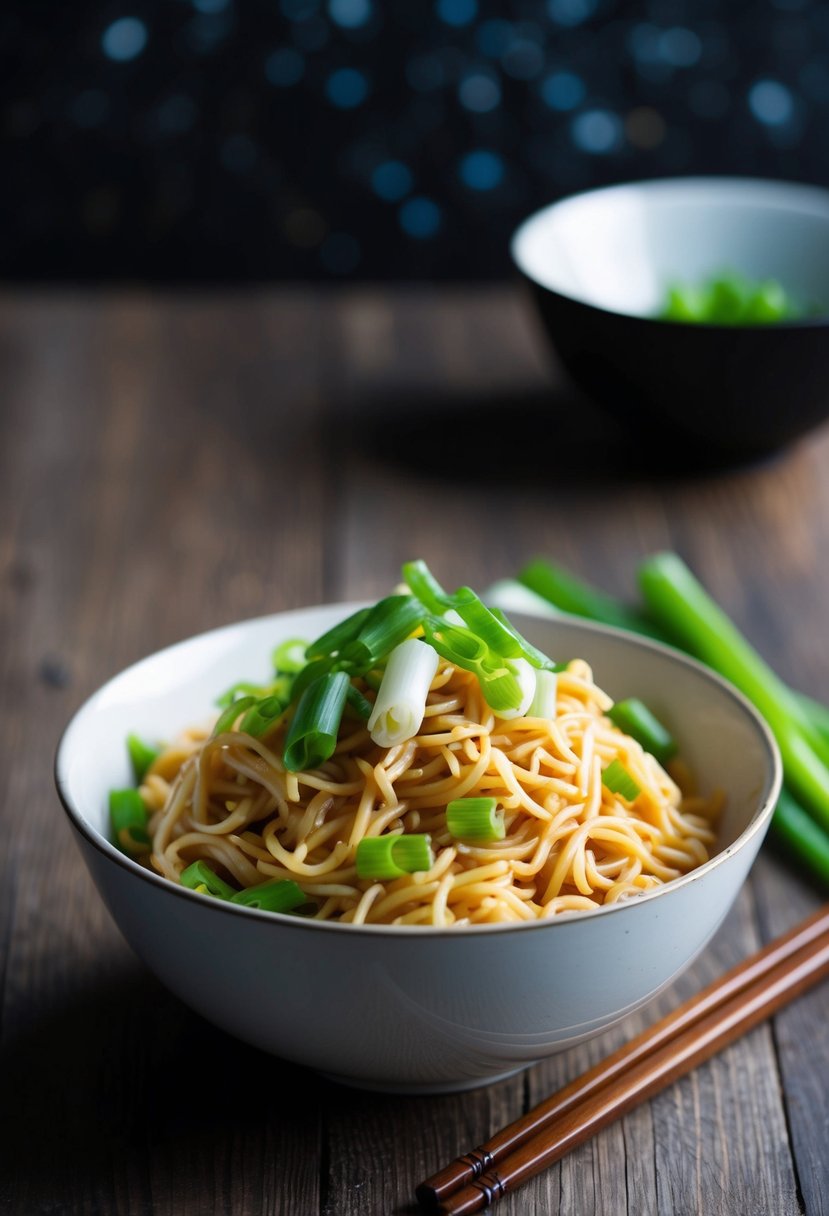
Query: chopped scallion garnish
[
  {"x": 199, "y": 877},
  {"x": 312, "y": 734},
  {"x": 543, "y": 704},
  {"x": 244, "y": 687},
  {"x": 227, "y": 718},
  {"x": 388, "y": 623},
  {"x": 635, "y": 719},
  {"x": 279, "y": 895},
  {"x": 128, "y": 818},
  {"x": 289, "y": 656},
  {"x": 401, "y": 701},
  {"x": 425, "y": 586},
  {"x": 262, "y": 715},
  {"x": 458, "y": 645},
  {"x": 618, "y": 780},
  {"x": 475, "y": 819},
  {"x": 393, "y": 856},
  {"x": 356, "y": 701},
  {"x": 333, "y": 641},
  {"x": 142, "y": 755}
]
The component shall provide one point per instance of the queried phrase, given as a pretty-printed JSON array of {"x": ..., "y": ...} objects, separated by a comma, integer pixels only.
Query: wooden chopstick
[{"x": 727, "y": 1008}]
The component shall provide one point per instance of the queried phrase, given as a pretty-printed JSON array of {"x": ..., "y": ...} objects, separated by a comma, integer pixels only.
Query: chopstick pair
[{"x": 729, "y": 1007}]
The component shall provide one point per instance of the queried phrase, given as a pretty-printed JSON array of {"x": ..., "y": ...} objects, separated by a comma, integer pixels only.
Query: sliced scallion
[
  {"x": 262, "y": 715},
  {"x": 128, "y": 818},
  {"x": 289, "y": 656},
  {"x": 475, "y": 819},
  {"x": 531, "y": 653},
  {"x": 333, "y": 641},
  {"x": 618, "y": 780},
  {"x": 142, "y": 755},
  {"x": 312, "y": 734},
  {"x": 393, "y": 856},
  {"x": 525, "y": 676},
  {"x": 305, "y": 678},
  {"x": 401, "y": 700},
  {"x": 543, "y": 704},
  {"x": 389, "y": 623},
  {"x": 241, "y": 686},
  {"x": 486, "y": 625},
  {"x": 425, "y": 586},
  {"x": 227, "y": 719},
  {"x": 635, "y": 719},
  {"x": 279, "y": 895},
  {"x": 200, "y": 877},
  {"x": 356, "y": 701}
]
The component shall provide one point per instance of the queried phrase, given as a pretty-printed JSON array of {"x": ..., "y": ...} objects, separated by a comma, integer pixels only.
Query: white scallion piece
[
  {"x": 401, "y": 698},
  {"x": 525, "y": 674},
  {"x": 543, "y": 704}
]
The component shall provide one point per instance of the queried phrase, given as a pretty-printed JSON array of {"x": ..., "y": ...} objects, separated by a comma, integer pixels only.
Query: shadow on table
[
  {"x": 122, "y": 1091},
  {"x": 521, "y": 438},
  {"x": 120, "y": 1098}
]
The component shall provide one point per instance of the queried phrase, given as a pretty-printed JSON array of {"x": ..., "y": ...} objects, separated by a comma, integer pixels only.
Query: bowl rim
[
  {"x": 804, "y": 191},
  {"x": 103, "y": 846}
]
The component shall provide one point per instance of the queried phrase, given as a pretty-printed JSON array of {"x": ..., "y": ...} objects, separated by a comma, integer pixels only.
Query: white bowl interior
[{"x": 619, "y": 248}]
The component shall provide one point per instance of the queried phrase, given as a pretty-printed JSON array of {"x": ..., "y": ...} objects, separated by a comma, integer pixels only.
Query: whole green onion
[
  {"x": 618, "y": 780},
  {"x": 680, "y": 603},
  {"x": 572, "y": 595},
  {"x": 312, "y": 734},
  {"x": 279, "y": 895},
  {"x": 128, "y": 819},
  {"x": 800, "y": 835},
  {"x": 142, "y": 755},
  {"x": 199, "y": 875},
  {"x": 635, "y": 719},
  {"x": 475, "y": 819},
  {"x": 387, "y": 857}
]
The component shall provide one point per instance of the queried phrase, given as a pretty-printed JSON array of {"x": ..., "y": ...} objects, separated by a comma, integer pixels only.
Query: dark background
[{"x": 222, "y": 140}]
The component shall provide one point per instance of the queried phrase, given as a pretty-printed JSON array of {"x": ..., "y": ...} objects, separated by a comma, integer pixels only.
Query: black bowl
[{"x": 598, "y": 265}]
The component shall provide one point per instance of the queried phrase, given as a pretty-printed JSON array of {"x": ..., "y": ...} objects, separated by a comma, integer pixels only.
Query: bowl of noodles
[{"x": 417, "y": 846}]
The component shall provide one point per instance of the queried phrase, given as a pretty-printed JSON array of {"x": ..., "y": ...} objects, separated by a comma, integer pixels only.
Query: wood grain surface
[{"x": 169, "y": 464}]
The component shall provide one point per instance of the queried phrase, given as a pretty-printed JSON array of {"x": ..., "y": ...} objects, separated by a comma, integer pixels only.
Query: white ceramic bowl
[{"x": 415, "y": 1008}]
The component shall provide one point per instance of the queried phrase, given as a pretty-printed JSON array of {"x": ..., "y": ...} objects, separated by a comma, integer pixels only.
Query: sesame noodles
[{"x": 570, "y": 843}]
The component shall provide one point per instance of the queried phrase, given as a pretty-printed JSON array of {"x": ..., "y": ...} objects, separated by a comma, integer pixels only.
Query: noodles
[{"x": 569, "y": 842}]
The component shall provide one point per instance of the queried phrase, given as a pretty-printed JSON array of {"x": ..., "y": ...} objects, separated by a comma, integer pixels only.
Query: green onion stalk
[{"x": 679, "y": 612}]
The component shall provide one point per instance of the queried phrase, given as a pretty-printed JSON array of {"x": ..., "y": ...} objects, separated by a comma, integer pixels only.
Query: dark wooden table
[{"x": 171, "y": 464}]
